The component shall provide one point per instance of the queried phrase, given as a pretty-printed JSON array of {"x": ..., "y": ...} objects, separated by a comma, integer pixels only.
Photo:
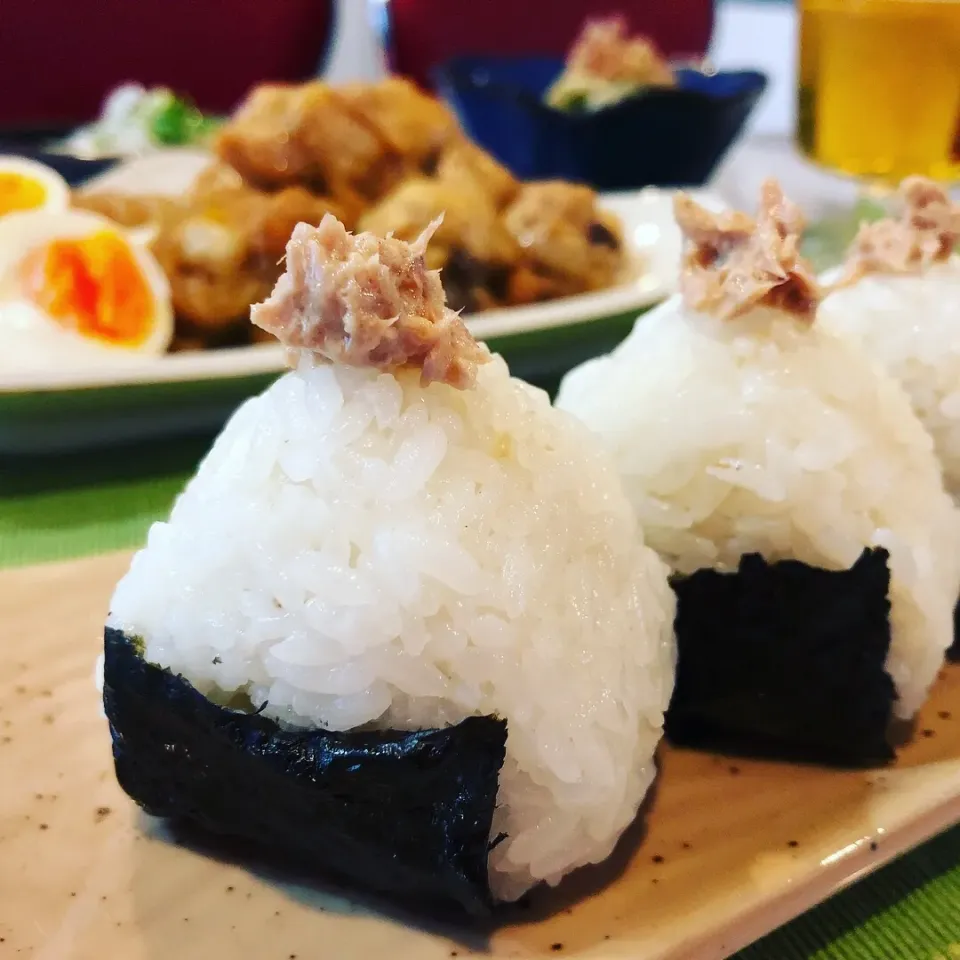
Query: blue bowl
[{"x": 664, "y": 137}]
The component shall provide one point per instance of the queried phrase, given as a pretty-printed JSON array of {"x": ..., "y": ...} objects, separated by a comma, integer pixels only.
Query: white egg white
[
  {"x": 56, "y": 191},
  {"x": 32, "y": 339}
]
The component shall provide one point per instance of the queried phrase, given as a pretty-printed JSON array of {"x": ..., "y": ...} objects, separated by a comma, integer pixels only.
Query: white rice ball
[
  {"x": 911, "y": 325},
  {"x": 358, "y": 549},
  {"x": 763, "y": 434}
]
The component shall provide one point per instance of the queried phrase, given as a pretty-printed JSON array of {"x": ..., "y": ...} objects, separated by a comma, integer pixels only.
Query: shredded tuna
[
  {"x": 367, "y": 301},
  {"x": 733, "y": 263},
  {"x": 925, "y": 233},
  {"x": 604, "y": 49}
]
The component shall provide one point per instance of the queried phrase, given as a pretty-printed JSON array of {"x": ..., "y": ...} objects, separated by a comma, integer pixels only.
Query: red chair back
[
  {"x": 424, "y": 33},
  {"x": 59, "y": 58}
]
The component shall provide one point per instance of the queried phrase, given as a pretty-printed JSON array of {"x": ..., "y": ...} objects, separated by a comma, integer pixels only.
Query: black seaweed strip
[
  {"x": 953, "y": 654},
  {"x": 785, "y": 660},
  {"x": 402, "y": 814}
]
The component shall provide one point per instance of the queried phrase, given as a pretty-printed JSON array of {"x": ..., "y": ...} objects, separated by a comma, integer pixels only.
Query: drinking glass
[{"x": 879, "y": 87}]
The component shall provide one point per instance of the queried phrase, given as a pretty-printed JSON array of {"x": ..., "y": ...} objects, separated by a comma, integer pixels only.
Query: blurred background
[
  {"x": 215, "y": 51},
  {"x": 202, "y": 130}
]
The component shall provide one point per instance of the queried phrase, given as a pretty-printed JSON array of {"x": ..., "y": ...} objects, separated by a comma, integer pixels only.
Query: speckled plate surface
[{"x": 728, "y": 849}]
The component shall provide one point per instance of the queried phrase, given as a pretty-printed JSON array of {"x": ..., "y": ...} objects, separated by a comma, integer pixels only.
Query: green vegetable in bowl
[
  {"x": 135, "y": 121},
  {"x": 178, "y": 123}
]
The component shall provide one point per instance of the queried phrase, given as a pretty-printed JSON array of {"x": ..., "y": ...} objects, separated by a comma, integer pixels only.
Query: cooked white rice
[
  {"x": 357, "y": 549},
  {"x": 911, "y": 325},
  {"x": 764, "y": 435}
]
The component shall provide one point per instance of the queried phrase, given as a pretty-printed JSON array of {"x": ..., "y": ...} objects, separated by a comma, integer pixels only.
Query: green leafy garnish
[{"x": 178, "y": 123}]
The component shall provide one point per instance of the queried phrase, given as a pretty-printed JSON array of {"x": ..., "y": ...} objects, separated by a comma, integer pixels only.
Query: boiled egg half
[
  {"x": 76, "y": 290},
  {"x": 28, "y": 185}
]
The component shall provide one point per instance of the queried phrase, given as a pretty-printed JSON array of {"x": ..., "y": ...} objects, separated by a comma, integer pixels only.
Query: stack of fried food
[{"x": 383, "y": 157}]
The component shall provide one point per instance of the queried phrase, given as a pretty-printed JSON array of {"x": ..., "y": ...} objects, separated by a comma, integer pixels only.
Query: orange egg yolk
[
  {"x": 19, "y": 192},
  {"x": 92, "y": 285}
]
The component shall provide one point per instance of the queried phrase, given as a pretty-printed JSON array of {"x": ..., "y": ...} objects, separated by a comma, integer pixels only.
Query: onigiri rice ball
[
  {"x": 398, "y": 535},
  {"x": 743, "y": 425},
  {"x": 898, "y": 297}
]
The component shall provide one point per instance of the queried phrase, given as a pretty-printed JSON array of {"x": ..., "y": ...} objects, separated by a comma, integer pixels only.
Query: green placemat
[
  {"x": 909, "y": 910},
  {"x": 61, "y": 507}
]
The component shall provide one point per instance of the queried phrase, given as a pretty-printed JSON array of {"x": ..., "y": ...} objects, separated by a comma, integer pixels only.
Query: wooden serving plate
[{"x": 730, "y": 848}]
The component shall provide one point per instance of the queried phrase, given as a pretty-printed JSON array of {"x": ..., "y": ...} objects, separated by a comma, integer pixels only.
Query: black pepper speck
[
  {"x": 793, "y": 843},
  {"x": 657, "y": 858},
  {"x": 735, "y": 770},
  {"x": 873, "y": 846},
  {"x": 556, "y": 946},
  {"x": 944, "y": 714},
  {"x": 928, "y": 733}
]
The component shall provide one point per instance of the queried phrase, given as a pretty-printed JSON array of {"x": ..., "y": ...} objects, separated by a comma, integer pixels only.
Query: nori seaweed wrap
[
  {"x": 785, "y": 660},
  {"x": 953, "y": 654},
  {"x": 401, "y": 813}
]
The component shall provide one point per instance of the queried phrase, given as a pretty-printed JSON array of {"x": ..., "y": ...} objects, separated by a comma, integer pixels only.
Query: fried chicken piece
[
  {"x": 464, "y": 164},
  {"x": 261, "y": 140},
  {"x": 733, "y": 263},
  {"x": 471, "y": 245},
  {"x": 926, "y": 232},
  {"x": 416, "y": 125},
  {"x": 221, "y": 248},
  {"x": 308, "y": 135},
  {"x": 569, "y": 245},
  {"x": 364, "y": 301}
]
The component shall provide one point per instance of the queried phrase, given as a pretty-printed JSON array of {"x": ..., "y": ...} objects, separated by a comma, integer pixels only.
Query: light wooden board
[{"x": 732, "y": 848}]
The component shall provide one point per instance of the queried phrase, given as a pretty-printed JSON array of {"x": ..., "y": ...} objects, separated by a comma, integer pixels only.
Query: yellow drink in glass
[{"x": 880, "y": 86}]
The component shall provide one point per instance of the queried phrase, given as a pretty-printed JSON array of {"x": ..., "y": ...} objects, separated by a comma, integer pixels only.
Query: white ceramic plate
[{"x": 77, "y": 408}]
